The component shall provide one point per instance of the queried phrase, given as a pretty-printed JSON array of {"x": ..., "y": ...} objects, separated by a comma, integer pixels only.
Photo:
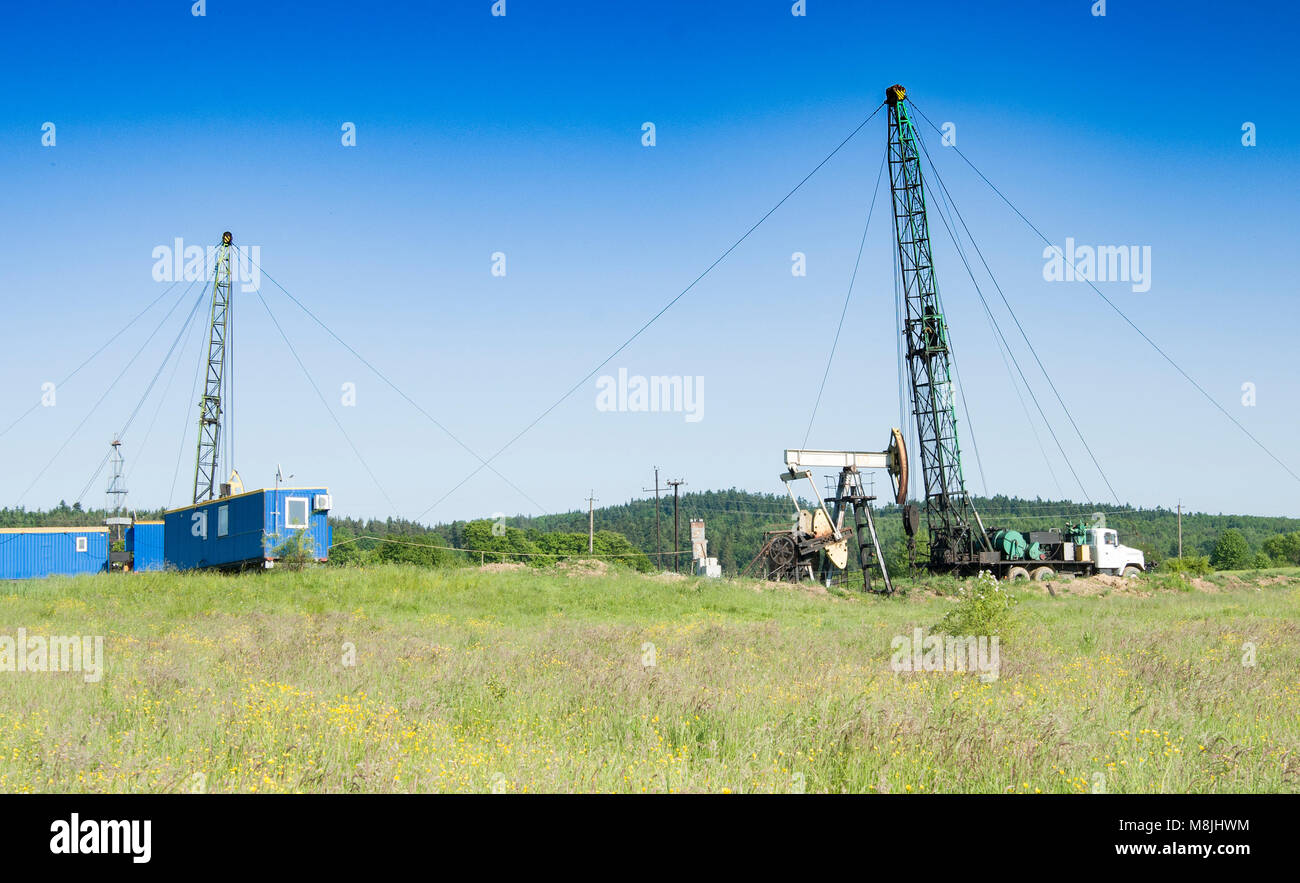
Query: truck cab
[{"x": 1111, "y": 556}]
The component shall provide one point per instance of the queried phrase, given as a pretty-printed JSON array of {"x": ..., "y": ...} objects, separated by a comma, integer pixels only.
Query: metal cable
[
  {"x": 1120, "y": 312},
  {"x": 100, "y": 401},
  {"x": 655, "y": 317},
  {"x": 92, "y": 356},
  {"x": 848, "y": 295},
  {"x": 122, "y": 433},
  {"x": 162, "y": 400},
  {"x": 394, "y": 387},
  {"x": 185, "y": 432},
  {"x": 323, "y": 402},
  {"x": 999, "y": 342},
  {"x": 970, "y": 272},
  {"x": 1016, "y": 319}
]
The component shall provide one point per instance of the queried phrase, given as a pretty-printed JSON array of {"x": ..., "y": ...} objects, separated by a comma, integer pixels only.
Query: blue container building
[
  {"x": 32, "y": 552},
  {"x": 248, "y": 529},
  {"x": 144, "y": 540}
]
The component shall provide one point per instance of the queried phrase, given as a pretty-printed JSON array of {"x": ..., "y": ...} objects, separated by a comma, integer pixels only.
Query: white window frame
[
  {"x": 288, "y": 513},
  {"x": 83, "y": 544},
  {"x": 223, "y": 520}
]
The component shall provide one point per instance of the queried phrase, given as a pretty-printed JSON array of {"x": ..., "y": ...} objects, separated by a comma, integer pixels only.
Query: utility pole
[
  {"x": 1180, "y": 530},
  {"x": 677, "y": 524},
  {"x": 659, "y": 546},
  {"x": 591, "y": 523}
]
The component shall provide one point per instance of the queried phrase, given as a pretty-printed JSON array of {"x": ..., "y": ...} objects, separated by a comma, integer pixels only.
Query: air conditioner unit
[{"x": 323, "y": 503}]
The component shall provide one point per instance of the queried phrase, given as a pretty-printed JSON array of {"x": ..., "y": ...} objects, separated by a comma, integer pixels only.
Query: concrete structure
[{"x": 701, "y": 563}]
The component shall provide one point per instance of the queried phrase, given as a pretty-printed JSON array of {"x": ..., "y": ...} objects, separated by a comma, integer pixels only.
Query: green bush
[
  {"x": 1283, "y": 548},
  {"x": 1231, "y": 552},
  {"x": 495, "y": 543},
  {"x": 1194, "y": 565},
  {"x": 984, "y": 607},
  {"x": 295, "y": 552},
  {"x": 421, "y": 550}
]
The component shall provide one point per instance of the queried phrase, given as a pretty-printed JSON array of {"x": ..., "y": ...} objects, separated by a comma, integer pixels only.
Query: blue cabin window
[
  {"x": 295, "y": 509},
  {"x": 223, "y": 521},
  {"x": 83, "y": 544}
]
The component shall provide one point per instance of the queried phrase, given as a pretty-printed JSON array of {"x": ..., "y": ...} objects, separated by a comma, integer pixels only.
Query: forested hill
[{"x": 735, "y": 521}]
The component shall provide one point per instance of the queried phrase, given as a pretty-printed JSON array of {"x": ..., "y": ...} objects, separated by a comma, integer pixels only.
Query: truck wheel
[
  {"x": 1042, "y": 573},
  {"x": 1015, "y": 574},
  {"x": 1131, "y": 571}
]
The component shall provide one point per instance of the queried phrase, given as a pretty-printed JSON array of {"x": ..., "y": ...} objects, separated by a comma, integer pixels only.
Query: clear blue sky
[{"x": 478, "y": 134}]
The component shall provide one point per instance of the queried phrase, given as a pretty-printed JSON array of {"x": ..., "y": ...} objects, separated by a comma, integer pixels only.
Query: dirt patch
[
  {"x": 1098, "y": 584},
  {"x": 502, "y": 567},
  {"x": 667, "y": 576},
  {"x": 812, "y": 587},
  {"x": 808, "y": 587},
  {"x": 583, "y": 567}
]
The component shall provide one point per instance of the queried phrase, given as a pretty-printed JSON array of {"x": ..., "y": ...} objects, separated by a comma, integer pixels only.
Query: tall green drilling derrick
[
  {"x": 210, "y": 406},
  {"x": 950, "y": 515}
]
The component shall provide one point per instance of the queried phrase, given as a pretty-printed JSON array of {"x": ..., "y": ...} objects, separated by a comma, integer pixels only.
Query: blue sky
[{"x": 522, "y": 134}]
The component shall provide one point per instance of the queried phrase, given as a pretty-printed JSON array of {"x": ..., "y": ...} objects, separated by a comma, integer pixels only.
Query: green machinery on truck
[{"x": 959, "y": 542}]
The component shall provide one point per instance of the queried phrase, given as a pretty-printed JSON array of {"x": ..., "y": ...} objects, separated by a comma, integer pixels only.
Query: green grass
[{"x": 469, "y": 680}]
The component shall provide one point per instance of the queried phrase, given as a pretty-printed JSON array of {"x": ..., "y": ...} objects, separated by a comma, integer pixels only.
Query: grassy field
[{"x": 524, "y": 680}]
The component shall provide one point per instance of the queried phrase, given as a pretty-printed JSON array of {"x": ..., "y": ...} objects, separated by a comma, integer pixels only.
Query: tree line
[{"x": 737, "y": 523}]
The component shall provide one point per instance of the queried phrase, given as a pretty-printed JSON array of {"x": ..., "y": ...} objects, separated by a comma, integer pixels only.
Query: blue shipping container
[
  {"x": 30, "y": 552},
  {"x": 144, "y": 540},
  {"x": 248, "y": 528}
]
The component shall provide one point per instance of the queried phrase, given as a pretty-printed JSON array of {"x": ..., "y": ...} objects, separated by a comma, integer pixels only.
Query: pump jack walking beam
[{"x": 851, "y": 495}]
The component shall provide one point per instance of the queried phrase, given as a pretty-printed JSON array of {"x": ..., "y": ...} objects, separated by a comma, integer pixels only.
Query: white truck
[
  {"x": 1082, "y": 551},
  {"x": 1112, "y": 556}
]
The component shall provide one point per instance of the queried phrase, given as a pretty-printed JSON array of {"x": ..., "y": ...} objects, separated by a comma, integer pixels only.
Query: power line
[
  {"x": 658, "y": 542},
  {"x": 675, "y": 484},
  {"x": 556, "y": 555}
]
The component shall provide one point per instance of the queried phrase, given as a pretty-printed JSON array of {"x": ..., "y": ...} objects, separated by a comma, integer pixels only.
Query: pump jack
[{"x": 819, "y": 540}]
